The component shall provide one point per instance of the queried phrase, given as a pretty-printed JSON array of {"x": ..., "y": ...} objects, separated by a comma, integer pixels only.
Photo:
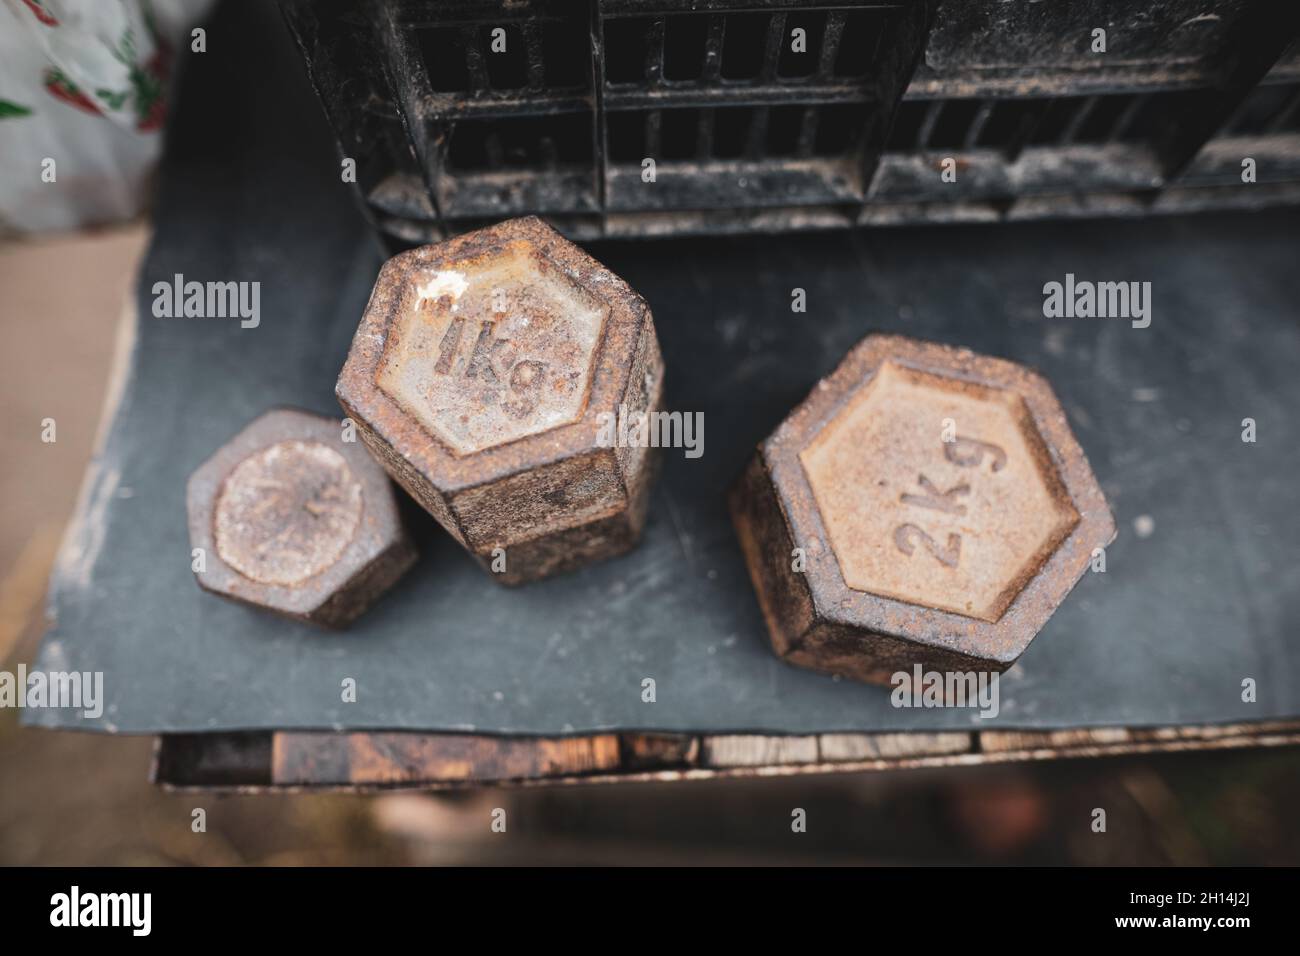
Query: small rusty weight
[
  {"x": 290, "y": 517},
  {"x": 482, "y": 376},
  {"x": 923, "y": 506}
]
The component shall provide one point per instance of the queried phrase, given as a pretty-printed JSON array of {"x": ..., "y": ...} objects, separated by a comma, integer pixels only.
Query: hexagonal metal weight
[
  {"x": 293, "y": 519},
  {"x": 483, "y": 376},
  {"x": 923, "y": 506}
]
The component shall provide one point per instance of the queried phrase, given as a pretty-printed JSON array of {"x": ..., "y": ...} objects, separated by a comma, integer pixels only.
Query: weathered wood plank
[
  {"x": 1102, "y": 738},
  {"x": 754, "y": 750},
  {"x": 837, "y": 747},
  {"x": 653, "y": 751},
  {"x": 995, "y": 741},
  {"x": 405, "y": 758}
]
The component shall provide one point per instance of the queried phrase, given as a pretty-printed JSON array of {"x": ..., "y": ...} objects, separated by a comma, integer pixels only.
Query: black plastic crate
[{"x": 463, "y": 112}]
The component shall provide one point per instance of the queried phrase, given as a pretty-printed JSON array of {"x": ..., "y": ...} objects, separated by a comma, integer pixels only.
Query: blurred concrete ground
[{"x": 85, "y": 799}]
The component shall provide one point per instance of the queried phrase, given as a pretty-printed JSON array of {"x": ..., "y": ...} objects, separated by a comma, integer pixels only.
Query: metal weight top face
[
  {"x": 493, "y": 349},
  {"x": 937, "y": 491}
]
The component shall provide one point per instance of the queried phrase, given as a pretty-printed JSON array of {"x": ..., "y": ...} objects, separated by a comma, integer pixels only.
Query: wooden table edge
[{"x": 362, "y": 762}]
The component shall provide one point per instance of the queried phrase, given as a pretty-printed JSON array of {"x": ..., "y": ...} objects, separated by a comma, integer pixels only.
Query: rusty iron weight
[
  {"x": 290, "y": 517},
  {"x": 480, "y": 377},
  {"x": 924, "y": 505}
]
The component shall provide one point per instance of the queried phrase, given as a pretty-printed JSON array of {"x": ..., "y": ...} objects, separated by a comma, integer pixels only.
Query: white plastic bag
[{"x": 83, "y": 95}]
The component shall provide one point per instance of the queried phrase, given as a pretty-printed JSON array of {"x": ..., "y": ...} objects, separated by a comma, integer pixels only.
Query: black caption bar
[{"x": 331, "y": 906}]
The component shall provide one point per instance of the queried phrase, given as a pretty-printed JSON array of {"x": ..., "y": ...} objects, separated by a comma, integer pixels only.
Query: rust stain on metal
[
  {"x": 941, "y": 502},
  {"x": 293, "y": 519},
  {"x": 479, "y": 377}
]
